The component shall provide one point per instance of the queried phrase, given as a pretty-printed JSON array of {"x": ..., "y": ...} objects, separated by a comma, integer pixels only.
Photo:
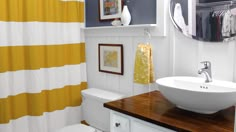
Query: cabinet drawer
[
  {"x": 119, "y": 123},
  {"x": 138, "y": 126}
]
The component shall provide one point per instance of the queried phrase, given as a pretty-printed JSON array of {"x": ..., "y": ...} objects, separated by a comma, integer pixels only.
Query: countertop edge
[{"x": 124, "y": 106}]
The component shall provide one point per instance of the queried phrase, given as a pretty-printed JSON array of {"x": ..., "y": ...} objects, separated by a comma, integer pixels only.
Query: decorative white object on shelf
[
  {"x": 116, "y": 22},
  {"x": 125, "y": 16}
]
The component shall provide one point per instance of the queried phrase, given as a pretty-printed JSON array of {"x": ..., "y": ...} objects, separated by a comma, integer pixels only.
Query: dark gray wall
[{"x": 142, "y": 12}]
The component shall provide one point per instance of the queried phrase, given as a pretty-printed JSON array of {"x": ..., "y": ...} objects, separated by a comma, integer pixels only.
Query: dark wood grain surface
[{"x": 154, "y": 108}]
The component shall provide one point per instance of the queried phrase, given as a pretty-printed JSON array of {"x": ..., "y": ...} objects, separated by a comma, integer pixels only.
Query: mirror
[{"x": 205, "y": 20}]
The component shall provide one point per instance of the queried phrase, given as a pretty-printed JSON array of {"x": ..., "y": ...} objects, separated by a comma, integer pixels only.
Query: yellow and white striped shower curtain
[{"x": 42, "y": 64}]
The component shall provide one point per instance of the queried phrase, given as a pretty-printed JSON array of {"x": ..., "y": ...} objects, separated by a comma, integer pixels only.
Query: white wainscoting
[
  {"x": 174, "y": 54},
  {"x": 124, "y": 84}
]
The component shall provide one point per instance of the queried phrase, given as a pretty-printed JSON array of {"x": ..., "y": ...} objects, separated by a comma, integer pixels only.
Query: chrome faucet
[{"x": 206, "y": 70}]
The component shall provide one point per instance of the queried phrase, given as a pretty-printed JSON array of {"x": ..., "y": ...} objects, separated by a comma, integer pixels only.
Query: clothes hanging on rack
[
  {"x": 203, "y": 26},
  {"x": 215, "y": 24},
  {"x": 233, "y": 22},
  {"x": 226, "y": 24}
]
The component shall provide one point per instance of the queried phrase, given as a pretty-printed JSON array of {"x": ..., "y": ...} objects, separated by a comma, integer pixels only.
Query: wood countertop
[{"x": 154, "y": 108}]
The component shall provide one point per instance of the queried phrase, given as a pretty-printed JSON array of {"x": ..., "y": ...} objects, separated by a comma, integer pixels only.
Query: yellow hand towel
[{"x": 143, "y": 70}]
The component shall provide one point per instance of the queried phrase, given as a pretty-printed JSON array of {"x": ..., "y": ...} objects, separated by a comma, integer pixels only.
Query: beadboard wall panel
[
  {"x": 186, "y": 53},
  {"x": 174, "y": 54},
  {"x": 221, "y": 55},
  {"x": 126, "y": 81},
  {"x": 124, "y": 84}
]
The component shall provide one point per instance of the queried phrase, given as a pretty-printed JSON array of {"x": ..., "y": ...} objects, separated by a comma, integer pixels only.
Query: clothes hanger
[{"x": 233, "y": 8}]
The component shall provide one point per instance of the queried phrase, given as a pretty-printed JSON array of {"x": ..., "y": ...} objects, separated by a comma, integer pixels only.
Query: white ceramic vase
[{"x": 125, "y": 16}]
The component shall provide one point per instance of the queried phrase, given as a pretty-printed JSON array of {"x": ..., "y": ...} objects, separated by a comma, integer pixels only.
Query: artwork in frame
[
  {"x": 111, "y": 58},
  {"x": 110, "y": 9}
]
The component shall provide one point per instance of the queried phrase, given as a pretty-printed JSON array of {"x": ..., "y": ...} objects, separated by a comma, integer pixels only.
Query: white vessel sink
[{"x": 193, "y": 94}]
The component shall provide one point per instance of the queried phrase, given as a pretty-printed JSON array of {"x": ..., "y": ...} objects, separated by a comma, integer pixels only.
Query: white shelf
[
  {"x": 122, "y": 27},
  {"x": 157, "y": 29},
  {"x": 131, "y": 30}
]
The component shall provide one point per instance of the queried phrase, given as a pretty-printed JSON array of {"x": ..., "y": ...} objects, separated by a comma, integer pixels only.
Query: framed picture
[
  {"x": 111, "y": 58},
  {"x": 110, "y": 9}
]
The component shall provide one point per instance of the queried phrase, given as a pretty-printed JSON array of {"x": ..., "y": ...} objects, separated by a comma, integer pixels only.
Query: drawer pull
[{"x": 117, "y": 124}]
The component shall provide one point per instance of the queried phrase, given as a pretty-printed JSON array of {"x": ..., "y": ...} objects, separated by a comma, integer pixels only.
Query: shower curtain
[{"x": 42, "y": 64}]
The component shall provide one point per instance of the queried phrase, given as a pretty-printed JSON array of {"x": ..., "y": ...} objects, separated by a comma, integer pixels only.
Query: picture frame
[
  {"x": 110, "y": 9},
  {"x": 110, "y": 58}
]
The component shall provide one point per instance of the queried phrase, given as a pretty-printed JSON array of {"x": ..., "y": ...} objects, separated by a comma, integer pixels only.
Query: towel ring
[{"x": 148, "y": 34}]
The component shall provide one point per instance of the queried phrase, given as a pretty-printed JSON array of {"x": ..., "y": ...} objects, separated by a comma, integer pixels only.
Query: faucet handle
[{"x": 207, "y": 64}]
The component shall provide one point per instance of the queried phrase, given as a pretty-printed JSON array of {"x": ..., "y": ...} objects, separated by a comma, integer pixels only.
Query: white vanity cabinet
[
  {"x": 124, "y": 123},
  {"x": 151, "y": 112}
]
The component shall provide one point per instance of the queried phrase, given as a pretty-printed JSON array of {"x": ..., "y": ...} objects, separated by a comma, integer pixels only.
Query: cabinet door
[
  {"x": 138, "y": 126},
  {"x": 119, "y": 123}
]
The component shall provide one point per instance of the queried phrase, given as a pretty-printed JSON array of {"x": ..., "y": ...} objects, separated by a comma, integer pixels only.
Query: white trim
[
  {"x": 131, "y": 30},
  {"x": 192, "y": 17},
  {"x": 129, "y": 26}
]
